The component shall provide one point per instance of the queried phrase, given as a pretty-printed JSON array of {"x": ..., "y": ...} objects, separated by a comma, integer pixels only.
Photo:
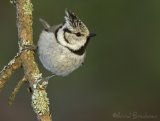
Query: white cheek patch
[{"x": 70, "y": 41}]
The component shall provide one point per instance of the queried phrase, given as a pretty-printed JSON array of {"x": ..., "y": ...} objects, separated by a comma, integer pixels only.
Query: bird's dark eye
[{"x": 78, "y": 34}]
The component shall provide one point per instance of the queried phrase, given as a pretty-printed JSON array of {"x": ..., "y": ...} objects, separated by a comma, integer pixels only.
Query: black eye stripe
[
  {"x": 78, "y": 34},
  {"x": 67, "y": 30}
]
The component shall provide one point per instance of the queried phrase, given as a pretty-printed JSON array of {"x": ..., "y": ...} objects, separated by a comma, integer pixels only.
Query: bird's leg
[
  {"x": 48, "y": 77},
  {"x": 43, "y": 82}
]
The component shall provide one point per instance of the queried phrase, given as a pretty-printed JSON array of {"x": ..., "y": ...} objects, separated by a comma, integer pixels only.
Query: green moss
[
  {"x": 28, "y": 7},
  {"x": 40, "y": 102}
]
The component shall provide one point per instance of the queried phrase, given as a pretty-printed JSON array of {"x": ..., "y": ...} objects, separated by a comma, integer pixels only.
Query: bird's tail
[{"x": 45, "y": 24}]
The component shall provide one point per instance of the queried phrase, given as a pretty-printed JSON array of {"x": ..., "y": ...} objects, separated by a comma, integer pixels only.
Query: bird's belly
[{"x": 61, "y": 64}]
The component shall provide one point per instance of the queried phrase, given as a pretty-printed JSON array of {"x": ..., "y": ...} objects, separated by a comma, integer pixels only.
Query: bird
[{"x": 62, "y": 47}]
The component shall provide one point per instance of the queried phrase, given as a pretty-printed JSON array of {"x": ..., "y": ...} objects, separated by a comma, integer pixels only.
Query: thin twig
[
  {"x": 8, "y": 70},
  {"x": 16, "y": 90}
]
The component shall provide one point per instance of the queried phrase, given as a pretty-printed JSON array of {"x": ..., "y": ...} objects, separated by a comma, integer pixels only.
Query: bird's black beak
[{"x": 91, "y": 35}]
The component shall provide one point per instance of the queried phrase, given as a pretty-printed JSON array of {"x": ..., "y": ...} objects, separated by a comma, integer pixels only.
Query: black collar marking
[
  {"x": 65, "y": 30},
  {"x": 57, "y": 31},
  {"x": 68, "y": 31},
  {"x": 81, "y": 50}
]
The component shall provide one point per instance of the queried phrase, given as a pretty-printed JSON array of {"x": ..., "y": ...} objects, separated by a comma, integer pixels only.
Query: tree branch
[
  {"x": 25, "y": 58},
  {"x": 8, "y": 70},
  {"x": 40, "y": 101},
  {"x": 16, "y": 90}
]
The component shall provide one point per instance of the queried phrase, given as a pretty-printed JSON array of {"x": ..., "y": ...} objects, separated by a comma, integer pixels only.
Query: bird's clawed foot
[{"x": 42, "y": 82}]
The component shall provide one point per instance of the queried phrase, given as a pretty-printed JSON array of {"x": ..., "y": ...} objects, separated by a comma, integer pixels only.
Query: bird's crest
[{"x": 73, "y": 20}]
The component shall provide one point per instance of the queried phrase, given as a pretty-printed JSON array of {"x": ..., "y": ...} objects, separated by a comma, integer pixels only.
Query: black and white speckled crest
[{"x": 75, "y": 22}]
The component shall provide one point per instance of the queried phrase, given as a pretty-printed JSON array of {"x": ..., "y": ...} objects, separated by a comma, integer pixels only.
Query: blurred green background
[{"x": 120, "y": 74}]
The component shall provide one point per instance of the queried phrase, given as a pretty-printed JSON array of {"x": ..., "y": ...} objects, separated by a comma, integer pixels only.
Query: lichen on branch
[
  {"x": 9, "y": 69},
  {"x": 25, "y": 59}
]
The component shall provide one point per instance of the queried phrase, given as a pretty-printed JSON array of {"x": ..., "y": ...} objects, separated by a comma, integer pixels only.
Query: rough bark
[{"x": 25, "y": 58}]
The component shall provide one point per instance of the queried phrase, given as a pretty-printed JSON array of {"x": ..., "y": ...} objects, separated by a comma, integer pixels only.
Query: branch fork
[{"x": 25, "y": 59}]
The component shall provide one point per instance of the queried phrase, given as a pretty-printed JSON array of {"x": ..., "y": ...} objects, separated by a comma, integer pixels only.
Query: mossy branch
[{"x": 26, "y": 60}]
